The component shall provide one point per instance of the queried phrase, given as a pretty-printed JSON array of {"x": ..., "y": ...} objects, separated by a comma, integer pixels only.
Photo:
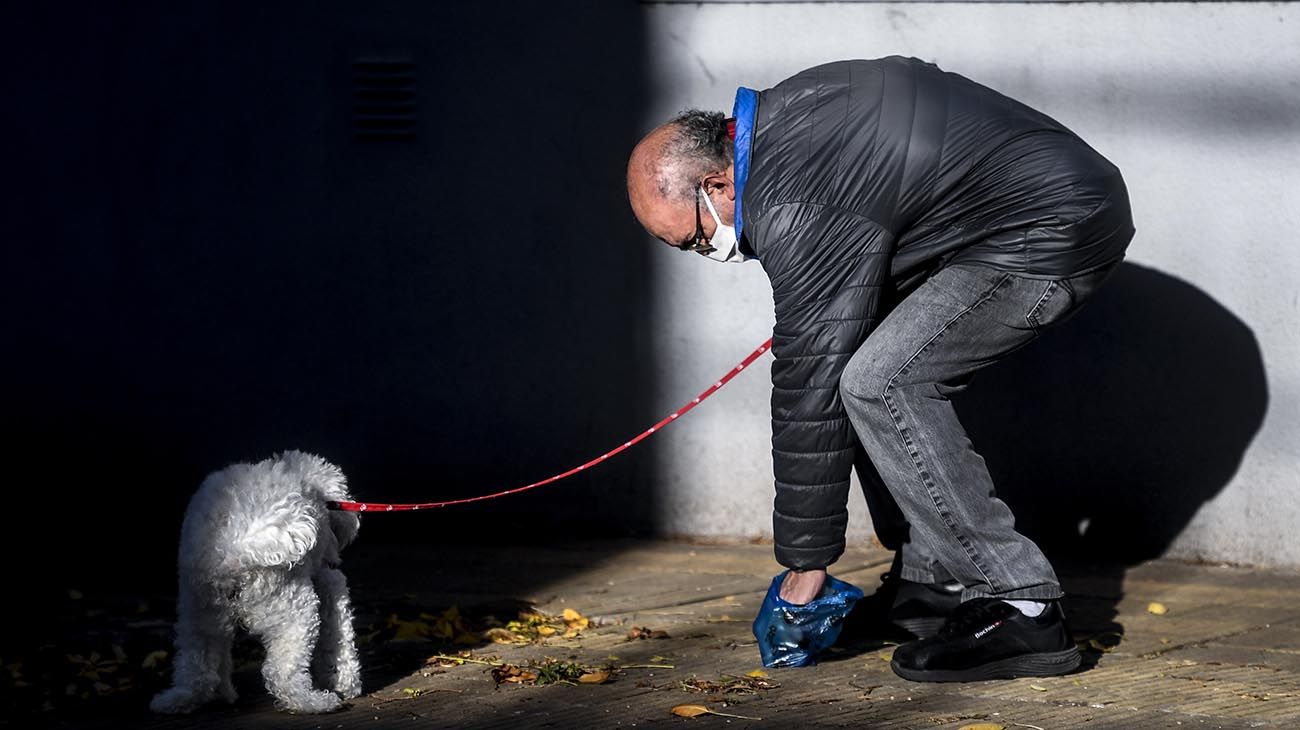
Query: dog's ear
[
  {"x": 345, "y": 526},
  {"x": 320, "y": 476}
]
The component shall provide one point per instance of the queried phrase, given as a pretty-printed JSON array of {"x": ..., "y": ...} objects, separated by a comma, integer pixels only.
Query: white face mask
[{"x": 726, "y": 248}]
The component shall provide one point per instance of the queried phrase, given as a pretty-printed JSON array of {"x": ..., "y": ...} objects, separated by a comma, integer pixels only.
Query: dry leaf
[
  {"x": 758, "y": 674},
  {"x": 690, "y": 710},
  {"x": 499, "y": 636},
  {"x": 1157, "y": 609},
  {"x": 153, "y": 658},
  {"x": 408, "y": 630},
  {"x": 983, "y": 726},
  {"x": 511, "y": 673},
  {"x": 697, "y": 710},
  {"x": 545, "y": 630},
  {"x": 1037, "y": 688},
  {"x": 729, "y": 684},
  {"x": 598, "y": 677},
  {"x": 886, "y": 655},
  {"x": 1106, "y": 642}
]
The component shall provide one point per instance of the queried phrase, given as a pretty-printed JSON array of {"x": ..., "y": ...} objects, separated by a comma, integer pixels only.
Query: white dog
[{"x": 259, "y": 548}]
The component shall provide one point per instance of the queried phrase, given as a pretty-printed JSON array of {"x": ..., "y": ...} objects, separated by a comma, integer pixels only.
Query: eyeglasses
[{"x": 699, "y": 243}]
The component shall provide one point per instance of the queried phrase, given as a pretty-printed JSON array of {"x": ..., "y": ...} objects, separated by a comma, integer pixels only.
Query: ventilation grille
[{"x": 384, "y": 99}]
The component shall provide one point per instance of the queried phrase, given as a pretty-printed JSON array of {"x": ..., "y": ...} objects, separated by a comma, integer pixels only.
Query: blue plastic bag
[{"x": 790, "y": 635}]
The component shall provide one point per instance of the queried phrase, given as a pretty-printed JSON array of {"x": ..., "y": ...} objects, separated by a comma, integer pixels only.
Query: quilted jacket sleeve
[{"x": 827, "y": 277}]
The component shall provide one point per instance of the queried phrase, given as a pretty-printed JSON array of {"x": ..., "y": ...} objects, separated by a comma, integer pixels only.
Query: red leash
[{"x": 381, "y": 507}]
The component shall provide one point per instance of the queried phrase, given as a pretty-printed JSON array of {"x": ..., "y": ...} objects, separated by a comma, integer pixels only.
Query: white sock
[{"x": 1029, "y": 608}]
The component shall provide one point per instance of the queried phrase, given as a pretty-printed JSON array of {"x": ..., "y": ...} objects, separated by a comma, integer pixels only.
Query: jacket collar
[{"x": 743, "y": 111}]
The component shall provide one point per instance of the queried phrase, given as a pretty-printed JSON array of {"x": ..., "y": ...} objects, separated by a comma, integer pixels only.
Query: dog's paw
[
  {"x": 312, "y": 702},
  {"x": 175, "y": 701},
  {"x": 348, "y": 681},
  {"x": 349, "y": 690}
]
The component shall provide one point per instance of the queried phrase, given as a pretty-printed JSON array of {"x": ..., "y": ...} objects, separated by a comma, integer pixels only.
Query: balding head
[{"x": 667, "y": 166}]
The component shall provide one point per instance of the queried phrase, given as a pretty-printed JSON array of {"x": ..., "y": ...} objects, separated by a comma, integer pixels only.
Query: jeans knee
[{"x": 864, "y": 380}]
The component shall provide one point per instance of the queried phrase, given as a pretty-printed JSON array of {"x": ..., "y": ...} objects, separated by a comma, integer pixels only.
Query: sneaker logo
[{"x": 980, "y": 634}]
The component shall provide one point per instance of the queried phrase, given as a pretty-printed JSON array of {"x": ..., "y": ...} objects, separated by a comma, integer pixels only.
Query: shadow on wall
[
  {"x": 1107, "y": 435},
  {"x": 208, "y": 265}
]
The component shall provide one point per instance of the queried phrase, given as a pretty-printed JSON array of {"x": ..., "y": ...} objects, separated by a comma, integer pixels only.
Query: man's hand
[{"x": 801, "y": 586}]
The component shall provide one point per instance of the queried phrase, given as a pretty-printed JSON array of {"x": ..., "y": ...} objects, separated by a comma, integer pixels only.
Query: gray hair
[{"x": 698, "y": 145}]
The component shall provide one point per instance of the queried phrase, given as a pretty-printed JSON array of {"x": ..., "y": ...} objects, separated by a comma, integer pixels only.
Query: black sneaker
[
  {"x": 922, "y": 608},
  {"x": 918, "y": 609},
  {"x": 987, "y": 638}
]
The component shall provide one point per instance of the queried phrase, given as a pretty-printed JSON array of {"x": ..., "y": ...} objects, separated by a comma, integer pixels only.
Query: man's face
[
  {"x": 677, "y": 223},
  {"x": 674, "y": 221}
]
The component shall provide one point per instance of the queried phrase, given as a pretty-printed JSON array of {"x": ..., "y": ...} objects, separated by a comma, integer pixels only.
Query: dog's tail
[{"x": 278, "y": 533}]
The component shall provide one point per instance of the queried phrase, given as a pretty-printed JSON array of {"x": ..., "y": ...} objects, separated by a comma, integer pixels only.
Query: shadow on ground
[
  {"x": 103, "y": 655},
  {"x": 1107, "y": 435}
]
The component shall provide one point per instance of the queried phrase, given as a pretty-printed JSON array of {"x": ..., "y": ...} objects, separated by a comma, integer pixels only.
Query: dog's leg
[
  {"x": 226, "y": 685},
  {"x": 200, "y": 670},
  {"x": 336, "y": 665},
  {"x": 288, "y": 621}
]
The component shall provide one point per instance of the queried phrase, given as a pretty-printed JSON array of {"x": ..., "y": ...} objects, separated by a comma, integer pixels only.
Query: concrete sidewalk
[{"x": 1225, "y": 655}]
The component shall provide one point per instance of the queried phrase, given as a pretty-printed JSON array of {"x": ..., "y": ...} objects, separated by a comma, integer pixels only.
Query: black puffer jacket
[{"x": 864, "y": 178}]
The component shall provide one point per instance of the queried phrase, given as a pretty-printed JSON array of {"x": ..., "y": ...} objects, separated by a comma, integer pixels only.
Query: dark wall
[{"x": 205, "y": 264}]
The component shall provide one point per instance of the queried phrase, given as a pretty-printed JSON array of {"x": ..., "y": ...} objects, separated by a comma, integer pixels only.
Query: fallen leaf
[
  {"x": 1106, "y": 642},
  {"x": 408, "y": 630},
  {"x": 983, "y": 726},
  {"x": 511, "y": 673},
  {"x": 153, "y": 658},
  {"x": 499, "y": 636},
  {"x": 1037, "y": 688},
  {"x": 697, "y": 710},
  {"x": 886, "y": 655},
  {"x": 757, "y": 673},
  {"x": 598, "y": 677},
  {"x": 545, "y": 630},
  {"x": 1158, "y": 609},
  {"x": 728, "y": 684},
  {"x": 575, "y": 620}
]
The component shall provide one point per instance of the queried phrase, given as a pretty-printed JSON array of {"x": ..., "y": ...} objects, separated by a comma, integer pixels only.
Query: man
[{"x": 916, "y": 227}]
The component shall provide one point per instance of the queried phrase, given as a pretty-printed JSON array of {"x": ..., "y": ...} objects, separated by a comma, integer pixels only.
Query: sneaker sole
[
  {"x": 921, "y": 628},
  {"x": 1048, "y": 664}
]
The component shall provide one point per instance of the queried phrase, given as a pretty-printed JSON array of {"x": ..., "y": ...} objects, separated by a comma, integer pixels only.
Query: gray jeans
[{"x": 929, "y": 492}]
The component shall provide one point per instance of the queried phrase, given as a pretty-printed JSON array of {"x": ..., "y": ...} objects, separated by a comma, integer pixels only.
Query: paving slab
[{"x": 1226, "y": 654}]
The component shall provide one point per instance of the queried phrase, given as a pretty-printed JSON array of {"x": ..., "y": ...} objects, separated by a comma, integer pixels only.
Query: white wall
[{"x": 1198, "y": 104}]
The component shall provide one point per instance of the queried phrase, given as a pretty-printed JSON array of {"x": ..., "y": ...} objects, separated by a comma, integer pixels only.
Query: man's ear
[{"x": 721, "y": 181}]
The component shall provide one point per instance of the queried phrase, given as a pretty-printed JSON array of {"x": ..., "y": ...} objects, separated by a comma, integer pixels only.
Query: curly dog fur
[{"x": 260, "y": 549}]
